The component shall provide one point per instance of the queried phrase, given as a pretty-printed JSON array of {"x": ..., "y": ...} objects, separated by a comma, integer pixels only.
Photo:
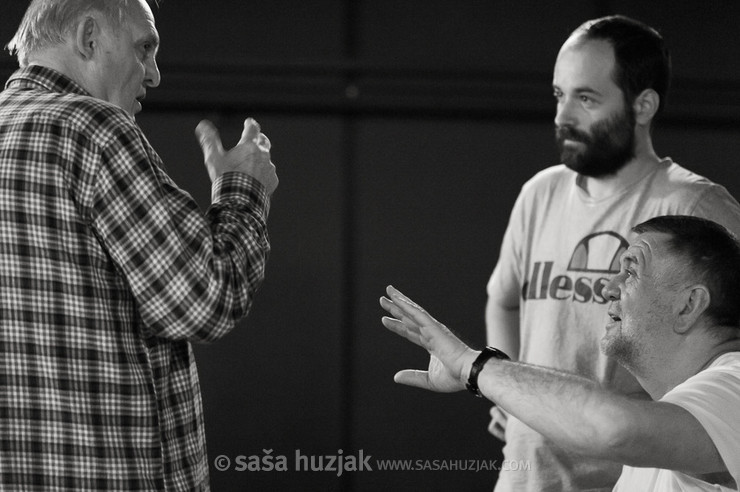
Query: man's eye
[{"x": 146, "y": 50}]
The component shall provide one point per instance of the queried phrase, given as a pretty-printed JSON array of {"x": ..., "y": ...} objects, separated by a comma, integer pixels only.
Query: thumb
[
  {"x": 413, "y": 377},
  {"x": 210, "y": 140}
]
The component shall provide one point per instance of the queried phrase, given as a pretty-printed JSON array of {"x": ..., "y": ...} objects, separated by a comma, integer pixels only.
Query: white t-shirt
[
  {"x": 560, "y": 248},
  {"x": 713, "y": 397}
]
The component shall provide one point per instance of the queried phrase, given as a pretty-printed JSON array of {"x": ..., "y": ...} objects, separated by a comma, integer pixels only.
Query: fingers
[
  {"x": 497, "y": 427},
  {"x": 209, "y": 139},
  {"x": 410, "y": 309},
  {"x": 396, "y": 311},
  {"x": 263, "y": 142},
  {"x": 393, "y": 292},
  {"x": 400, "y": 328},
  {"x": 497, "y": 431},
  {"x": 410, "y": 319},
  {"x": 251, "y": 131}
]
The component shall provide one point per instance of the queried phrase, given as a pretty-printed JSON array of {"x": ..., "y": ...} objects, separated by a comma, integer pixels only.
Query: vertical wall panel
[{"x": 434, "y": 200}]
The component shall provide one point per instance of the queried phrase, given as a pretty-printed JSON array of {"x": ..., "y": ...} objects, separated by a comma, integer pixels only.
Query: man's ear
[
  {"x": 695, "y": 300},
  {"x": 87, "y": 37},
  {"x": 645, "y": 106}
]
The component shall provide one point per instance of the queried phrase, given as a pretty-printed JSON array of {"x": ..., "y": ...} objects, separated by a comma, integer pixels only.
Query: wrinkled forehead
[{"x": 650, "y": 249}]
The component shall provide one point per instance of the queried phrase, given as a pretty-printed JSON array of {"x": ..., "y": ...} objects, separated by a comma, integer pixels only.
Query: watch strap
[{"x": 478, "y": 363}]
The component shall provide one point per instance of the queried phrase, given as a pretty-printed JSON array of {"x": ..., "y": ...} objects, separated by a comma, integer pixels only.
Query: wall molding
[{"x": 353, "y": 88}]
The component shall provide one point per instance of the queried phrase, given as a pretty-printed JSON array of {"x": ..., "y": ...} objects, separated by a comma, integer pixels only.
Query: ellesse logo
[{"x": 588, "y": 271}]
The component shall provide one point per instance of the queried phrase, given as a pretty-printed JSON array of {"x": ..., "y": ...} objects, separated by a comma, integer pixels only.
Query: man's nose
[
  {"x": 611, "y": 290},
  {"x": 153, "y": 77},
  {"x": 564, "y": 112}
]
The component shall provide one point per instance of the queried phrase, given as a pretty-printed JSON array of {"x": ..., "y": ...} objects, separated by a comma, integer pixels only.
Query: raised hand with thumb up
[{"x": 251, "y": 155}]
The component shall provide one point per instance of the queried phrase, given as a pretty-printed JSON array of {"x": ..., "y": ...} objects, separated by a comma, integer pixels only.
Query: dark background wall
[{"x": 402, "y": 132}]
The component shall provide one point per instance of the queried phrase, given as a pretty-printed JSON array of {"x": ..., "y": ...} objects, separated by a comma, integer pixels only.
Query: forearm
[
  {"x": 561, "y": 406},
  {"x": 238, "y": 223},
  {"x": 192, "y": 277},
  {"x": 239, "y": 253},
  {"x": 226, "y": 259},
  {"x": 576, "y": 413}
]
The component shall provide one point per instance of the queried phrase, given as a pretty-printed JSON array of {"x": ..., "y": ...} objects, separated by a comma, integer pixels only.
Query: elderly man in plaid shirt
[{"x": 108, "y": 270}]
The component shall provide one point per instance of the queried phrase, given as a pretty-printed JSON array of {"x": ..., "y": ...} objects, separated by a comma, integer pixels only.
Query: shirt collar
[{"x": 35, "y": 76}]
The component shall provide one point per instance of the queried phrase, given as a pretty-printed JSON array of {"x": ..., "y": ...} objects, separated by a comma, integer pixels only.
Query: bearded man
[{"x": 569, "y": 227}]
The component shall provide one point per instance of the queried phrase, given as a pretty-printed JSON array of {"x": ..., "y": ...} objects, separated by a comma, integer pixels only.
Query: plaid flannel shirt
[{"x": 108, "y": 271}]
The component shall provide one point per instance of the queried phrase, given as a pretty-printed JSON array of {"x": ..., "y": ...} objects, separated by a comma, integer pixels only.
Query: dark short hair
[
  {"x": 641, "y": 57},
  {"x": 713, "y": 254}
]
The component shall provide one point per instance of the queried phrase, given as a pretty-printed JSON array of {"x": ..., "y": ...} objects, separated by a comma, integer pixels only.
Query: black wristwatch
[{"x": 482, "y": 358}]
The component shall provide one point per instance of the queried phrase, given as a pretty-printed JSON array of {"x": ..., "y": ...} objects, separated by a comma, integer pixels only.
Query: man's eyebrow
[
  {"x": 579, "y": 90},
  {"x": 153, "y": 38},
  {"x": 587, "y": 90},
  {"x": 629, "y": 258}
]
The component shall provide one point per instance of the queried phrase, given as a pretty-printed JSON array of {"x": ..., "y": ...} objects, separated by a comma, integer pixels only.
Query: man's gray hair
[{"x": 47, "y": 22}]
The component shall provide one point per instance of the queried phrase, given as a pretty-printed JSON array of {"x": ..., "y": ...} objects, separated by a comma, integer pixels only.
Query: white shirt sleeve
[{"x": 713, "y": 398}]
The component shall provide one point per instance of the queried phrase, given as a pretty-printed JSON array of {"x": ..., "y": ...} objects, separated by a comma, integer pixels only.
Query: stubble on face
[
  {"x": 607, "y": 147},
  {"x": 645, "y": 311},
  {"x": 622, "y": 349}
]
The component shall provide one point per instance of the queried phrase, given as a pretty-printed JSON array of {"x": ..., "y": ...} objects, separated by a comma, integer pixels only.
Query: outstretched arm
[{"x": 572, "y": 411}]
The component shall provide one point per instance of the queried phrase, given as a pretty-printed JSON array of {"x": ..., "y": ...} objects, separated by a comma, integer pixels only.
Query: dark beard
[{"x": 608, "y": 147}]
